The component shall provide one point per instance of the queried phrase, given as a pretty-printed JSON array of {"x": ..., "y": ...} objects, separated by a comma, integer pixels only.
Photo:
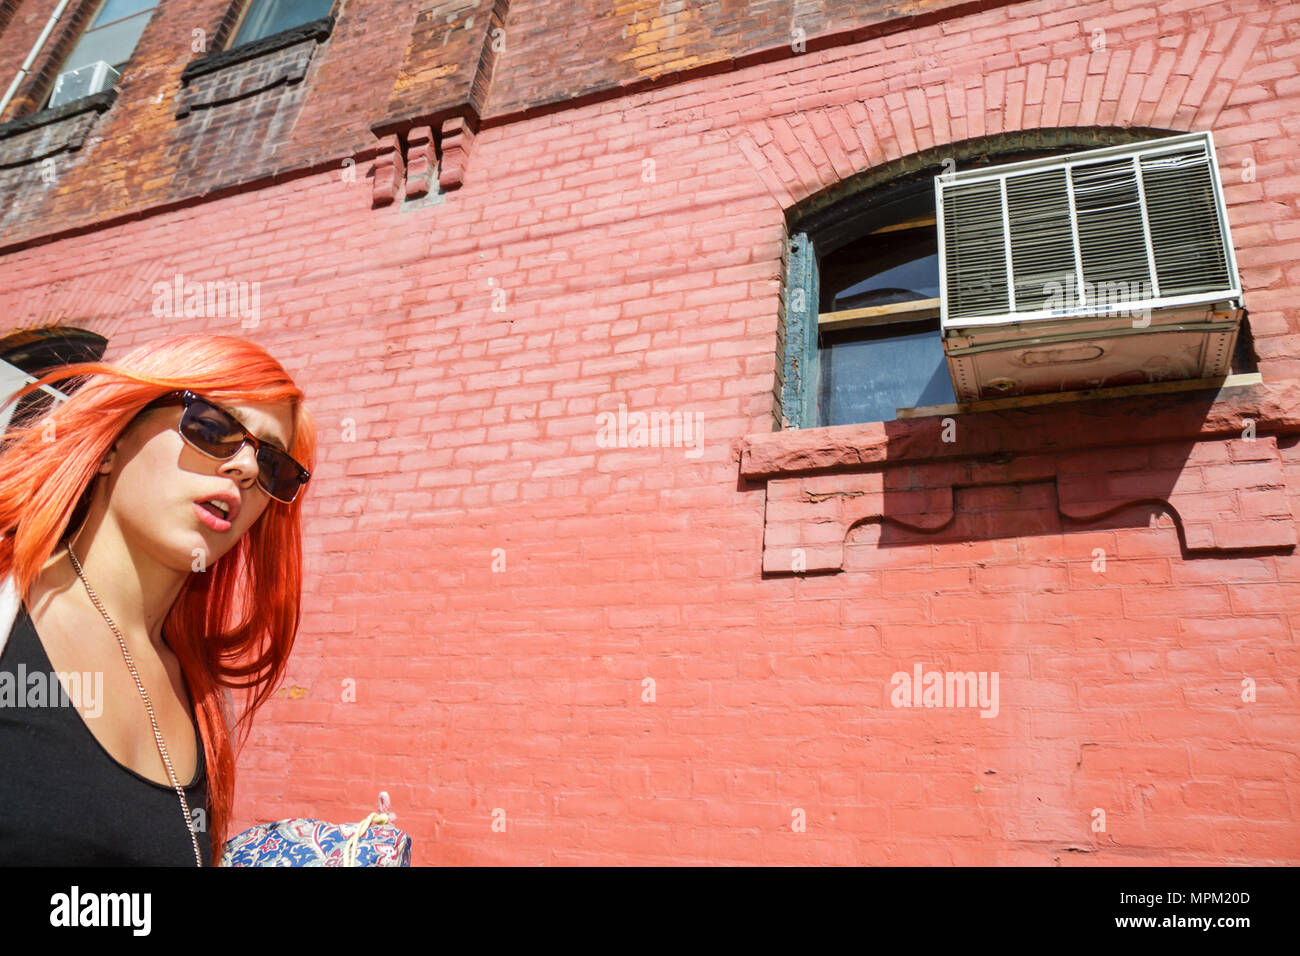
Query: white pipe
[{"x": 31, "y": 57}]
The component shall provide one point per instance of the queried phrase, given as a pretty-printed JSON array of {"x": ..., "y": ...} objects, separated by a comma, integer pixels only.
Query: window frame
[
  {"x": 839, "y": 212},
  {"x": 803, "y": 378},
  {"x": 91, "y": 27},
  {"x": 234, "y": 42}
]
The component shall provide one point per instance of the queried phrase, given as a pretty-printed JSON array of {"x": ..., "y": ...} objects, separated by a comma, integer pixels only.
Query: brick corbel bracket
[
  {"x": 457, "y": 139},
  {"x": 32, "y": 138},
  {"x": 439, "y": 96},
  {"x": 407, "y": 163},
  {"x": 390, "y": 170},
  {"x": 1211, "y": 459},
  {"x": 227, "y": 75}
]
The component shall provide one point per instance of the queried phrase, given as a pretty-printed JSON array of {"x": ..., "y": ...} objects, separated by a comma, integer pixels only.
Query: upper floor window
[
  {"x": 263, "y": 18},
  {"x": 1100, "y": 269},
  {"x": 102, "y": 51}
]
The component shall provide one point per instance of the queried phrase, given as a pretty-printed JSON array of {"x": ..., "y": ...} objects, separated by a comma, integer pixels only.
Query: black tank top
[{"x": 64, "y": 801}]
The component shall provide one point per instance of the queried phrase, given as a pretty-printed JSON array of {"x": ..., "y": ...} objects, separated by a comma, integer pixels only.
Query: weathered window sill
[
  {"x": 1209, "y": 457},
  {"x": 33, "y": 137},
  {"x": 248, "y": 69}
]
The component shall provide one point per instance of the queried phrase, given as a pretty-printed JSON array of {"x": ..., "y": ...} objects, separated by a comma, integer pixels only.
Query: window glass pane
[
  {"x": 868, "y": 373},
  {"x": 267, "y": 17},
  {"x": 112, "y": 43},
  {"x": 117, "y": 9},
  {"x": 895, "y": 266}
]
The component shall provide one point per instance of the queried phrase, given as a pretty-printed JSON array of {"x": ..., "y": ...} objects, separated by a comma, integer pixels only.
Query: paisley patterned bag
[{"x": 298, "y": 842}]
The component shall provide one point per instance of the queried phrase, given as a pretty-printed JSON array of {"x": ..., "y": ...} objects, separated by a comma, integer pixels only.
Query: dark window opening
[
  {"x": 884, "y": 268},
  {"x": 878, "y": 336},
  {"x": 37, "y": 351},
  {"x": 266, "y": 18},
  {"x": 867, "y": 374}
]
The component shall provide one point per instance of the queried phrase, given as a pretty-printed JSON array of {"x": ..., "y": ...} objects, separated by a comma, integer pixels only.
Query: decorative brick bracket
[
  {"x": 1227, "y": 493},
  {"x": 250, "y": 68},
  {"x": 457, "y": 139},
  {"x": 410, "y": 166},
  {"x": 421, "y": 161},
  {"x": 404, "y": 168},
  {"x": 439, "y": 94},
  {"x": 390, "y": 171}
]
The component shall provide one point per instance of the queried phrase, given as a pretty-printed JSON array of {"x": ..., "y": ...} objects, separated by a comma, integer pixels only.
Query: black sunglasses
[{"x": 212, "y": 430}]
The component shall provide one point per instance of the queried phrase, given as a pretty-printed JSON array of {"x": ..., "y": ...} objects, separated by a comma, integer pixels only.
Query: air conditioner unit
[
  {"x": 84, "y": 81},
  {"x": 1098, "y": 269}
]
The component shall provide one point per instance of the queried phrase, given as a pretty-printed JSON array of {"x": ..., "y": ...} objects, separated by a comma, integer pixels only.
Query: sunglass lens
[
  {"x": 278, "y": 474},
  {"x": 211, "y": 429}
]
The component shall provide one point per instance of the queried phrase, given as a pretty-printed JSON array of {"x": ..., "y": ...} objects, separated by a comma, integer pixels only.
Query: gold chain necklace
[{"x": 157, "y": 734}]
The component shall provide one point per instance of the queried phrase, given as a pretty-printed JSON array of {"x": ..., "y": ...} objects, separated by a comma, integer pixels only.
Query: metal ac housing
[{"x": 1102, "y": 268}]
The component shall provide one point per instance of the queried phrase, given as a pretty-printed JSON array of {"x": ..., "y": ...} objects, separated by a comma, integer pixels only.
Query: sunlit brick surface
[{"x": 501, "y": 589}]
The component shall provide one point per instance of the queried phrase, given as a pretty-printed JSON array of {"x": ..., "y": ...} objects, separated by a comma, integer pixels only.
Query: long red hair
[{"x": 231, "y": 626}]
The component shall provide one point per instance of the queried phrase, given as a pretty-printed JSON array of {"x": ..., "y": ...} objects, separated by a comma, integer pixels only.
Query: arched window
[
  {"x": 863, "y": 340},
  {"x": 29, "y": 353},
  {"x": 878, "y": 312}
]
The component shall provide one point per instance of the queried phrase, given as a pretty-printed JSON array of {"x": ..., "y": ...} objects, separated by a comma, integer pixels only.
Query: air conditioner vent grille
[
  {"x": 1112, "y": 240},
  {"x": 1085, "y": 234},
  {"x": 1183, "y": 208},
  {"x": 1042, "y": 242},
  {"x": 975, "y": 249}
]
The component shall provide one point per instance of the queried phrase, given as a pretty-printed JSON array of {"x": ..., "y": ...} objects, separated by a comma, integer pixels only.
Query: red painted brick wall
[{"x": 501, "y": 588}]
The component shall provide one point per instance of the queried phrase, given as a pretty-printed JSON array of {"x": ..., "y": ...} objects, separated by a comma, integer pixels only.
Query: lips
[{"x": 212, "y": 515}]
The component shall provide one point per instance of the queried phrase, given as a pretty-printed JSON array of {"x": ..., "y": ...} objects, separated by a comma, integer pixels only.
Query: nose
[{"x": 243, "y": 467}]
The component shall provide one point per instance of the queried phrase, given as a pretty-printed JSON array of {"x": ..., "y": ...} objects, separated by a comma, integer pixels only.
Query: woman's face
[{"x": 156, "y": 481}]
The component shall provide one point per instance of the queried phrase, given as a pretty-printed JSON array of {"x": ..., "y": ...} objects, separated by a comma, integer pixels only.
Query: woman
[{"x": 151, "y": 545}]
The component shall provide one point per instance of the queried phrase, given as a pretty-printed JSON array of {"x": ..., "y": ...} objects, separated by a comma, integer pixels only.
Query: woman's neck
[{"x": 137, "y": 592}]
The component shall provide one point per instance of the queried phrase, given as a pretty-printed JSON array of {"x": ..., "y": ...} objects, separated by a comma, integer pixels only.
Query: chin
[
  {"x": 212, "y": 551},
  {"x": 189, "y": 552},
  {"x": 187, "y": 558}
]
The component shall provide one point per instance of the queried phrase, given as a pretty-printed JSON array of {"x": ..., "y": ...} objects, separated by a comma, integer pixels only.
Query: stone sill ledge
[
  {"x": 1037, "y": 424},
  {"x": 1208, "y": 457},
  {"x": 99, "y": 102},
  {"x": 212, "y": 62}
]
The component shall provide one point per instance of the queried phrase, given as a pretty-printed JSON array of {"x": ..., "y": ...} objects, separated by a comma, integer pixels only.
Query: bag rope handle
[{"x": 351, "y": 848}]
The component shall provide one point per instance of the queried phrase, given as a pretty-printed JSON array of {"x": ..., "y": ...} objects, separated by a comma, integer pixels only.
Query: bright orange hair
[{"x": 230, "y": 626}]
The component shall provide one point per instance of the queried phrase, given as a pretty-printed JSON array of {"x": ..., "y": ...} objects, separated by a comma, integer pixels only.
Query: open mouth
[
  {"x": 218, "y": 508},
  {"x": 214, "y": 513}
]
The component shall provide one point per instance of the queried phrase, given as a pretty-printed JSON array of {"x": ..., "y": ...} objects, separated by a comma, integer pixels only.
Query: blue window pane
[
  {"x": 867, "y": 374},
  {"x": 268, "y": 17},
  {"x": 112, "y": 44},
  {"x": 117, "y": 9}
]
